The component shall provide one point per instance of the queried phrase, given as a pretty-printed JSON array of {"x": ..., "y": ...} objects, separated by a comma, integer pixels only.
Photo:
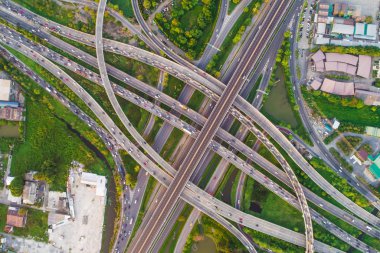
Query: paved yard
[
  {"x": 22, "y": 245},
  {"x": 84, "y": 234}
]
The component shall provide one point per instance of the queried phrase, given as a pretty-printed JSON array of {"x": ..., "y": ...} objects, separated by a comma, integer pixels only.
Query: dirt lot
[{"x": 85, "y": 233}]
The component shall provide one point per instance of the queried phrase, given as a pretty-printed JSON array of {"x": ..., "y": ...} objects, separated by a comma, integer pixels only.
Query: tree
[
  {"x": 17, "y": 185},
  {"x": 147, "y": 4},
  {"x": 369, "y": 19}
]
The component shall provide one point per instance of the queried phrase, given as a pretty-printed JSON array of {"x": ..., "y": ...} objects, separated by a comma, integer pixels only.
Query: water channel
[{"x": 277, "y": 104}]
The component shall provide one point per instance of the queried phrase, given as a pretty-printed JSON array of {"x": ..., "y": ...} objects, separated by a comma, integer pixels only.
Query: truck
[
  {"x": 131, "y": 221},
  {"x": 184, "y": 107}
]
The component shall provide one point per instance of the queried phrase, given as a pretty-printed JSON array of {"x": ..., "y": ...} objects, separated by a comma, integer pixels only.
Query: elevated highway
[
  {"x": 199, "y": 119},
  {"x": 193, "y": 195}
]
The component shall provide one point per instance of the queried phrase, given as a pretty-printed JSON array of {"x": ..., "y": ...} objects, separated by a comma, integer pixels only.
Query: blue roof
[{"x": 8, "y": 104}]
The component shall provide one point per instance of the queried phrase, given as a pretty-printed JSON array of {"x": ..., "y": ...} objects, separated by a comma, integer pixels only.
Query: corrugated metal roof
[
  {"x": 343, "y": 29},
  {"x": 364, "y": 66},
  {"x": 5, "y": 89}
]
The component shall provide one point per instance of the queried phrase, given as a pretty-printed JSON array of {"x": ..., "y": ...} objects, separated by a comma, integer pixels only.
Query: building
[
  {"x": 374, "y": 168},
  {"x": 12, "y": 104},
  {"x": 346, "y": 63},
  {"x": 56, "y": 220},
  {"x": 344, "y": 58},
  {"x": 16, "y": 217},
  {"x": 29, "y": 194},
  {"x": 321, "y": 28},
  {"x": 343, "y": 29},
  {"x": 365, "y": 31},
  {"x": 5, "y": 89},
  {"x": 99, "y": 182},
  {"x": 372, "y": 131},
  {"x": 338, "y": 88},
  {"x": 368, "y": 97},
  {"x": 362, "y": 155},
  {"x": 10, "y": 113},
  {"x": 364, "y": 66},
  {"x": 335, "y": 124},
  {"x": 316, "y": 84}
]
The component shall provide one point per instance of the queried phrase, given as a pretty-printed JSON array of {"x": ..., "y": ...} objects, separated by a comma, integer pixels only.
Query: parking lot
[{"x": 84, "y": 234}]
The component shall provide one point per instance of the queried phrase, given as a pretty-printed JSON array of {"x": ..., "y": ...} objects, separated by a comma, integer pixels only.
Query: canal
[{"x": 277, "y": 104}]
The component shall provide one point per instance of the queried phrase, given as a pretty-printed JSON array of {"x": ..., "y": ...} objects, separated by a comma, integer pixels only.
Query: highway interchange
[{"x": 181, "y": 124}]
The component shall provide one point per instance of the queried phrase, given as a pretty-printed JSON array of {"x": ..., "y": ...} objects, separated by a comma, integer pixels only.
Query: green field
[
  {"x": 65, "y": 16},
  {"x": 224, "y": 240},
  {"x": 173, "y": 86},
  {"x": 125, "y": 6},
  {"x": 171, "y": 143},
  {"x": 3, "y": 215},
  {"x": 364, "y": 116},
  {"x": 47, "y": 131},
  {"x": 171, "y": 240}
]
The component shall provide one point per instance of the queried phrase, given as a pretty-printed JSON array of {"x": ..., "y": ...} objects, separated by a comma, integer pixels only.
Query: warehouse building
[{"x": 5, "y": 89}]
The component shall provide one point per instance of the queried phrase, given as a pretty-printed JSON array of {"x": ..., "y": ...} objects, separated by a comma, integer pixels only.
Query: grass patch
[
  {"x": 253, "y": 92},
  {"x": 331, "y": 137},
  {"x": 196, "y": 100},
  {"x": 343, "y": 162},
  {"x": 231, "y": 6},
  {"x": 171, "y": 240},
  {"x": 125, "y": 6},
  {"x": 330, "y": 106},
  {"x": 217, "y": 61},
  {"x": 348, "y": 143},
  {"x": 171, "y": 143},
  {"x": 209, "y": 171},
  {"x": 132, "y": 168},
  {"x": 234, "y": 188},
  {"x": 65, "y": 16},
  {"x": 274, "y": 244},
  {"x": 224, "y": 240},
  {"x": 47, "y": 133},
  {"x": 235, "y": 127},
  {"x": 173, "y": 86},
  {"x": 3, "y": 215}
]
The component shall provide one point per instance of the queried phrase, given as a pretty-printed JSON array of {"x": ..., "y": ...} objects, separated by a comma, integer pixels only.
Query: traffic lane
[
  {"x": 104, "y": 136},
  {"x": 325, "y": 153},
  {"x": 198, "y": 149},
  {"x": 243, "y": 150},
  {"x": 153, "y": 169}
]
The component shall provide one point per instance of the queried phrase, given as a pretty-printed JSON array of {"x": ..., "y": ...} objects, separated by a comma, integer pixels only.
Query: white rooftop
[
  {"x": 343, "y": 29},
  {"x": 95, "y": 180},
  {"x": 5, "y": 89},
  {"x": 321, "y": 28}
]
